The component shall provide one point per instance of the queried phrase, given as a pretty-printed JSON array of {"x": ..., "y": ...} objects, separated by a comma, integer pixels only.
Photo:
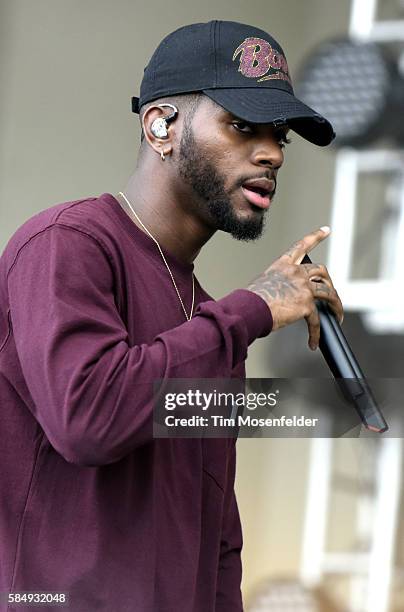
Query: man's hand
[{"x": 291, "y": 288}]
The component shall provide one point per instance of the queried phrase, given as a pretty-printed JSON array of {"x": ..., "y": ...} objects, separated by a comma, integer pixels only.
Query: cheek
[
  {"x": 231, "y": 165},
  {"x": 215, "y": 146},
  {"x": 221, "y": 157},
  {"x": 228, "y": 158},
  {"x": 225, "y": 155}
]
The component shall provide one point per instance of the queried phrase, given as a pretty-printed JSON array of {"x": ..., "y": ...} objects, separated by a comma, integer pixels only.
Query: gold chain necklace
[{"x": 188, "y": 318}]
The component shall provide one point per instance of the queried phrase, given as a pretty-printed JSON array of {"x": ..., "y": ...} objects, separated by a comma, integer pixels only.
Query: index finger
[{"x": 298, "y": 250}]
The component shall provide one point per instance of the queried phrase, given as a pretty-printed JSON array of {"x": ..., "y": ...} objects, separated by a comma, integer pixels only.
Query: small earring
[{"x": 163, "y": 157}]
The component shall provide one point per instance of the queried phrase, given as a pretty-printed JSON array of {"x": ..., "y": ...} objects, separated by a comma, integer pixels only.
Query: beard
[{"x": 199, "y": 172}]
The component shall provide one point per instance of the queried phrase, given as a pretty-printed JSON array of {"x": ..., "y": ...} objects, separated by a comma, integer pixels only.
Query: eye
[
  {"x": 282, "y": 139},
  {"x": 242, "y": 126}
]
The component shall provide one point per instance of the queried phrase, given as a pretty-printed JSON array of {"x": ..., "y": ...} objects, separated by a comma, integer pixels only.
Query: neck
[{"x": 165, "y": 212}]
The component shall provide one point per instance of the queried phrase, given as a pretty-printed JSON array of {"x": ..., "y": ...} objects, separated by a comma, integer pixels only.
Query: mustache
[{"x": 267, "y": 175}]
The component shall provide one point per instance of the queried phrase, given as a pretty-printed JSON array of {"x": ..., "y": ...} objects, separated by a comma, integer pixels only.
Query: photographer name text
[{"x": 248, "y": 420}]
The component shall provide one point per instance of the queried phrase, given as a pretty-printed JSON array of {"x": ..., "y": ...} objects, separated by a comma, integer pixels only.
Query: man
[{"x": 99, "y": 299}]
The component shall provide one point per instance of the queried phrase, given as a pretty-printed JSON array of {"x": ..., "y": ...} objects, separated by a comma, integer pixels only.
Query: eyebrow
[
  {"x": 285, "y": 129},
  {"x": 282, "y": 128},
  {"x": 229, "y": 115}
]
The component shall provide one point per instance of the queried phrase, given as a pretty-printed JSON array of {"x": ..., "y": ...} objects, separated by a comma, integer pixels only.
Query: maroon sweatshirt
[{"x": 91, "y": 504}]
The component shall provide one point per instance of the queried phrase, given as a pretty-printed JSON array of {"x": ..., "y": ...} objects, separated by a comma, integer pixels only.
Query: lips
[{"x": 259, "y": 191}]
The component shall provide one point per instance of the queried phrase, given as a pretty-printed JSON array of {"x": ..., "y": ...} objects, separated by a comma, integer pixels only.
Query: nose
[{"x": 268, "y": 152}]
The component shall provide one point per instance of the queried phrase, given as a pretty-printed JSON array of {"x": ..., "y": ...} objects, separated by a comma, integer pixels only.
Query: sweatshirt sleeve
[
  {"x": 228, "y": 590},
  {"x": 91, "y": 391}
]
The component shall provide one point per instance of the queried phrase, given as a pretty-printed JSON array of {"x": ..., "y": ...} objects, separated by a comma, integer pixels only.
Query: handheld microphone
[{"x": 345, "y": 367}]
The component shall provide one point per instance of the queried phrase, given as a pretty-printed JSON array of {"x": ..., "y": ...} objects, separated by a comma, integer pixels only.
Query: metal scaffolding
[
  {"x": 380, "y": 300},
  {"x": 369, "y": 564}
]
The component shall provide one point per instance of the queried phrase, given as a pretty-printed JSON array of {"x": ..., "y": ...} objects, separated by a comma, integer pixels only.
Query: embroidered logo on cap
[{"x": 257, "y": 58}]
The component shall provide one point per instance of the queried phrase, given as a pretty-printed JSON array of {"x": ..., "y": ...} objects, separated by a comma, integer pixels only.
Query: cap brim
[{"x": 271, "y": 105}]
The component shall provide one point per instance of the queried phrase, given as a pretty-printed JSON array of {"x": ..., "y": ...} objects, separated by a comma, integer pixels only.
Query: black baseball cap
[{"x": 240, "y": 67}]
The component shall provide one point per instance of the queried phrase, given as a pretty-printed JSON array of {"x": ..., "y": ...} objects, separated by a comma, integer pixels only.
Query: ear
[{"x": 160, "y": 143}]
